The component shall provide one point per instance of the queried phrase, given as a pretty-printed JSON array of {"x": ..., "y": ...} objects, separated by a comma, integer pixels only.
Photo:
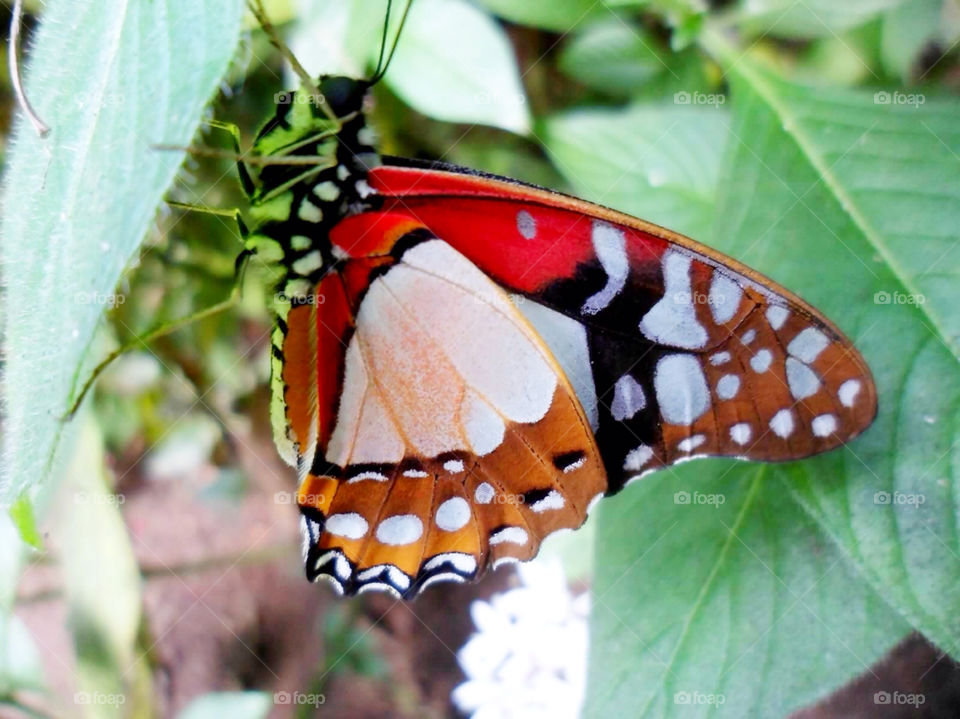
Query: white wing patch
[{"x": 440, "y": 361}]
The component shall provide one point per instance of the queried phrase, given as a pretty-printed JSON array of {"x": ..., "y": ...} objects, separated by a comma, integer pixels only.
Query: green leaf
[
  {"x": 236, "y": 705},
  {"x": 102, "y": 565},
  {"x": 907, "y": 29},
  {"x": 612, "y": 57},
  {"x": 810, "y": 18},
  {"x": 455, "y": 63},
  {"x": 79, "y": 202},
  {"x": 559, "y": 15},
  {"x": 869, "y": 189},
  {"x": 21, "y": 512},
  {"x": 714, "y": 595},
  {"x": 838, "y": 197},
  {"x": 654, "y": 161}
]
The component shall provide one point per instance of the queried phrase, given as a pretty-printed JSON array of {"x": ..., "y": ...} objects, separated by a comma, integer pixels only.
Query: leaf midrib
[
  {"x": 752, "y": 491},
  {"x": 791, "y": 124}
]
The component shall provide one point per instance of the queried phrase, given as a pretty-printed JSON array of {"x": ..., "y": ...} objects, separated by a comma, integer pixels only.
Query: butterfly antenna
[
  {"x": 382, "y": 68},
  {"x": 256, "y": 7},
  {"x": 383, "y": 38},
  {"x": 13, "y": 50}
]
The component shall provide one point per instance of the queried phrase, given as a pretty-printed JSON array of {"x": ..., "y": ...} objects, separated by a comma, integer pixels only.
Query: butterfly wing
[
  {"x": 675, "y": 350},
  {"x": 435, "y": 433},
  {"x": 488, "y": 358}
]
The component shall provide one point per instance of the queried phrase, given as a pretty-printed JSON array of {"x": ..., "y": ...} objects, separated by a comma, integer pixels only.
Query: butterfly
[{"x": 464, "y": 364}]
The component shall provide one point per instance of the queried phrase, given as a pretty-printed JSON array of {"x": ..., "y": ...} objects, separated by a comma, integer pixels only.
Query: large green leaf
[
  {"x": 465, "y": 73},
  {"x": 453, "y": 61},
  {"x": 111, "y": 78},
  {"x": 871, "y": 193},
  {"x": 709, "y": 577},
  {"x": 839, "y": 196},
  {"x": 658, "y": 162}
]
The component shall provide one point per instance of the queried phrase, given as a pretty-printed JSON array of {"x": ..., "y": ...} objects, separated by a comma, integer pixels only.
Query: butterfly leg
[
  {"x": 246, "y": 180},
  {"x": 170, "y": 327}
]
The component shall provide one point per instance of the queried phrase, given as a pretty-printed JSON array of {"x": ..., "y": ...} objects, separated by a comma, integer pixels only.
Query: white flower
[{"x": 528, "y": 657}]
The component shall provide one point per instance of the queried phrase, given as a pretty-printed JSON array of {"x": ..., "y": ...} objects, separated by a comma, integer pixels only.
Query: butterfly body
[{"x": 463, "y": 363}]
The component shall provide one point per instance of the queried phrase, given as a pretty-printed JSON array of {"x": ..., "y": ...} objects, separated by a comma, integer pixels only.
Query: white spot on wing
[
  {"x": 454, "y": 466},
  {"x": 636, "y": 458},
  {"x": 782, "y": 423},
  {"x": 719, "y": 358},
  {"x": 681, "y": 388},
  {"x": 376, "y": 476},
  {"x": 848, "y": 392},
  {"x": 453, "y": 514},
  {"x": 741, "y": 433},
  {"x": 824, "y": 425},
  {"x": 761, "y": 361},
  {"x": 484, "y": 493},
  {"x": 610, "y": 244},
  {"x": 400, "y": 529},
  {"x": 748, "y": 337},
  {"x": 728, "y": 386},
  {"x": 526, "y": 225},
  {"x": 460, "y": 561},
  {"x": 628, "y": 398},
  {"x": 724, "y": 297},
  {"x": 802, "y": 380},
  {"x": 691, "y": 443},
  {"x": 513, "y": 535},
  {"x": 554, "y": 500},
  {"x": 349, "y": 525},
  {"x": 807, "y": 345},
  {"x": 777, "y": 315},
  {"x": 673, "y": 319}
]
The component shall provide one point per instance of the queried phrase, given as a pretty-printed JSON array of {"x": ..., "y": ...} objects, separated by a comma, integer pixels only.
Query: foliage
[{"x": 815, "y": 141}]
